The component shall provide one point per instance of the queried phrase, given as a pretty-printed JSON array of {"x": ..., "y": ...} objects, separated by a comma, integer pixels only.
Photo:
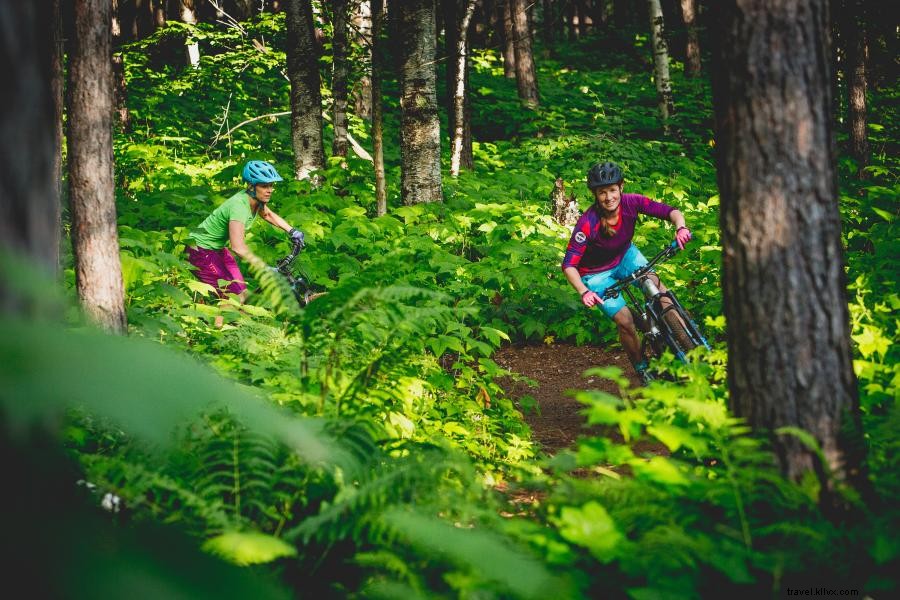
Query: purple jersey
[{"x": 590, "y": 251}]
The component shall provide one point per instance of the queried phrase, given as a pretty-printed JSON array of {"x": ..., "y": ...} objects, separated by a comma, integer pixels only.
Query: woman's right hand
[{"x": 591, "y": 299}]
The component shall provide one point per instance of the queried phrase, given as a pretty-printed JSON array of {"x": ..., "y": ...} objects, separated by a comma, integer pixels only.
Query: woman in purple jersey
[{"x": 600, "y": 251}]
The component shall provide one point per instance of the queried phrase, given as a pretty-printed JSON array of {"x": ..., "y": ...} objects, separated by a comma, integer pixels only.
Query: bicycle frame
[
  {"x": 650, "y": 315},
  {"x": 300, "y": 286}
]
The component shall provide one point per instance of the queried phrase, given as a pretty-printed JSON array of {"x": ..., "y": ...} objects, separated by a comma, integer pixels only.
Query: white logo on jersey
[{"x": 580, "y": 237}]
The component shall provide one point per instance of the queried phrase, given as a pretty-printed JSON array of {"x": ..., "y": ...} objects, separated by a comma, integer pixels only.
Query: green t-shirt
[{"x": 212, "y": 233}]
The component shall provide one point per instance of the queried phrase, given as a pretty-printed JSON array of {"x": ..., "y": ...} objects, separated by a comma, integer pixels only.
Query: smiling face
[
  {"x": 608, "y": 197},
  {"x": 264, "y": 192}
]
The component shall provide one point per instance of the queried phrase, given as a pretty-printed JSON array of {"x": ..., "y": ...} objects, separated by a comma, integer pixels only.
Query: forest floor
[{"x": 557, "y": 368}]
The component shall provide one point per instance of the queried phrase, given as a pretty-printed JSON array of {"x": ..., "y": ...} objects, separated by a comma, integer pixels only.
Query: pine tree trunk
[
  {"x": 95, "y": 242},
  {"x": 362, "y": 90},
  {"x": 661, "y": 61},
  {"x": 339, "y": 80},
  {"x": 420, "y": 134},
  {"x": 29, "y": 212},
  {"x": 549, "y": 22},
  {"x": 58, "y": 87},
  {"x": 526, "y": 78},
  {"x": 460, "y": 126},
  {"x": 509, "y": 36},
  {"x": 121, "y": 89},
  {"x": 377, "y": 131},
  {"x": 692, "y": 49},
  {"x": 306, "y": 96},
  {"x": 789, "y": 358},
  {"x": 857, "y": 59}
]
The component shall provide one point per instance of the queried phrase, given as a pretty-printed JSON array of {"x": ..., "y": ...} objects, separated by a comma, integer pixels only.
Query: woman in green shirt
[{"x": 227, "y": 224}]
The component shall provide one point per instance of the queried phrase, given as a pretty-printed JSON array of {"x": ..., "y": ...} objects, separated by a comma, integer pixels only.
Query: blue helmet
[{"x": 260, "y": 171}]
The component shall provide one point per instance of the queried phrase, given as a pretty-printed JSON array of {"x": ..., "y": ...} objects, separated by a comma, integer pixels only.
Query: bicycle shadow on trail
[{"x": 557, "y": 368}]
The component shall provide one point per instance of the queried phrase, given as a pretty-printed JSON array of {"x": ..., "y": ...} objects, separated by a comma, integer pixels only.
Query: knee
[{"x": 624, "y": 319}]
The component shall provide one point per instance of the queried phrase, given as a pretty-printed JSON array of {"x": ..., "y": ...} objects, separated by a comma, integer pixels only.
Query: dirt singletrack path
[{"x": 557, "y": 368}]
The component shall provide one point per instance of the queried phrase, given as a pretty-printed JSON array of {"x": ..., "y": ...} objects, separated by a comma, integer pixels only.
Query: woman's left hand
[{"x": 682, "y": 236}]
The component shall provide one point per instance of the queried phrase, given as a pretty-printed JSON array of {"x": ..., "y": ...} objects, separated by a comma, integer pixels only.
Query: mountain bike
[
  {"x": 660, "y": 318},
  {"x": 304, "y": 291}
]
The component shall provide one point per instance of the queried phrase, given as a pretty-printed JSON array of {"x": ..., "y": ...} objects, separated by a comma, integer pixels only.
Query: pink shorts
[{"x": 215, "y": 265}]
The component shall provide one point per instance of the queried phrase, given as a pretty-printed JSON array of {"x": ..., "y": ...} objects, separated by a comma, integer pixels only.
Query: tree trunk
[
  {"x": 584, "y": 21},
  {"x": 549, "y": 23},
  {"x": 188, "y": 15},
  {"x": 58, "y": 87},
  {"x": 95, "y": 242},
  {"x": 121, "y": 89},
  {"x": 526, "y": 79},
  {"x": 420, "y": 133},
  {"x": 692, "y": 49},
  {"x": 857, "y": 60},
  {"x": 460, "y": 121},
  {"x": 339, "y": 79},
  {"x": 661, "y": 62},
  {"x": 362, "y": 90},
  {"x": 377, "y": 131},
  {"x": 509, "y": 36},
  {"x": 29, "y": 213},
  {"x": 789, "y": 359},
  {"x": 306, "y": 97}
]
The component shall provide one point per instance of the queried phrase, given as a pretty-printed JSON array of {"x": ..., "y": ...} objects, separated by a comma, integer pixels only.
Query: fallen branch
[{"x": 359, "y": 150}]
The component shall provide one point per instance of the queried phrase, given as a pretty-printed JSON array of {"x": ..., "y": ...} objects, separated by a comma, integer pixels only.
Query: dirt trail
[{"x": 557, "y": 368}]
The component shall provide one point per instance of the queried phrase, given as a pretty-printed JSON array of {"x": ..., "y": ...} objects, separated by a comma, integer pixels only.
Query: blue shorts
[{"x": 598, "y": 282}]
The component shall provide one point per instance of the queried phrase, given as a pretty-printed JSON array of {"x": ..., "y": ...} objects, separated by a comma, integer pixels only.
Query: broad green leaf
[{"x": 248, "y": 547}]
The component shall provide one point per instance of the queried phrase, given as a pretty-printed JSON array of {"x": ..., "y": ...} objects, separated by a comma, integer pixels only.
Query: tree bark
[
  {"x": 549, "y": 22},
  {"x": 306, "y": 96},
  {"x": 339, "y": 79},
  {"x": 661, "y": 61},
  {"x": 121, "y": 89},
  {"x": 526, "y": 79},
  {"x": 58, "y": 87},
  {"x": 95, "y": 242},
  {"x": 377, "y": 131},
  {"x": 458, "y": 71},
  {"x": 504, "y": 7},
  {"x": 29, "y": 213},
  {"x": 692, "y": 49},
  {"x": 362, "y": 91},
  {"x": 857, "y": 61},
  {"x": 420, "y": 134},
  {"x": 789, "y": 358}
]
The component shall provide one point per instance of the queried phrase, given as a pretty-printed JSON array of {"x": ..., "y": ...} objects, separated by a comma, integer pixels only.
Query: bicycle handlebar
[
  {"x": 285, "y": 263},
  {"x": 666, "y": 253}
]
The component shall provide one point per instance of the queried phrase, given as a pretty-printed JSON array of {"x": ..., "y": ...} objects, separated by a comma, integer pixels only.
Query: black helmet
[{"x": 606, "y": 173}]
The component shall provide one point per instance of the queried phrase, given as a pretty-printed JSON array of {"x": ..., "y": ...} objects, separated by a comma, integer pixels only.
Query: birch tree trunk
[
  {"x": 306, "y": 96},
  {"x": 339, "y": 79},
  {"x": 377, "y": 131},
  {"x": 30, "y": 211},
  {"x": 460, "y": 122},
  {"x": 789, "y": 358},
  {"x": 661, "y": 62},
  {"x": 420, "y": 134},
  {"x": 692, "y": 50},
  {"x": 95, "y": 241},
  {"x": 188, "y": 15},
  {"x": 526, "y": 79},
  {"x": 362, "y": 90}
]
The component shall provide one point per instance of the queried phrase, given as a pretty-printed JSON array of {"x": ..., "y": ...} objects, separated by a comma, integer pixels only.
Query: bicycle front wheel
[{"x": 678, "y": 331}]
